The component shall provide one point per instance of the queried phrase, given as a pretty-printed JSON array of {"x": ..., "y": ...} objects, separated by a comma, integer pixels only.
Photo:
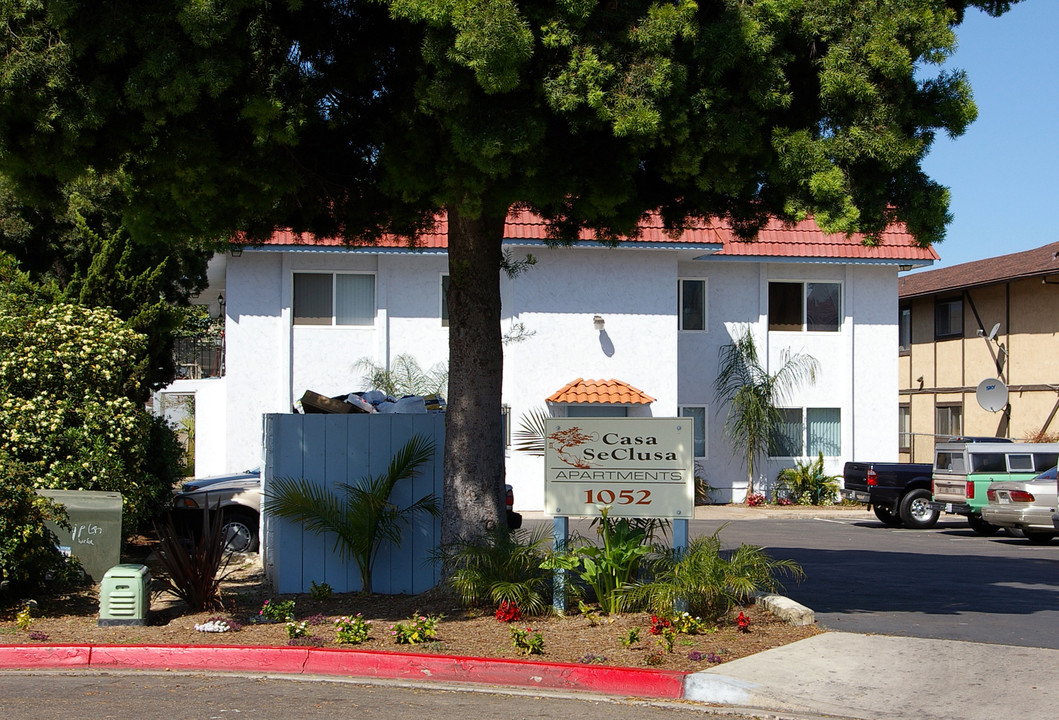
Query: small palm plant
[
  {"x": 363, "y": 517},
  {"x": 752, "y": 395},
  {"x": 708, "y": 579},
  {"x": 808, "y": 484},
  {"x": 504, "y": 566}
]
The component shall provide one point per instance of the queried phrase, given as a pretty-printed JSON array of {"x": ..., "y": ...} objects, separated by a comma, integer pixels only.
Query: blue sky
[{"x": 1002, "y": 172}]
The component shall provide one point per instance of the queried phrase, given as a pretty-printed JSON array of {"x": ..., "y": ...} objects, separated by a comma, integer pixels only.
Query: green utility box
[
  {"x": 94, "y": 536},
  {"x": 123, "y": 595}
]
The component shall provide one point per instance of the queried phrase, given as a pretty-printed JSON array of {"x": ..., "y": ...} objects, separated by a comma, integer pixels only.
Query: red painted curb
[{"x": 353, "y": 663}]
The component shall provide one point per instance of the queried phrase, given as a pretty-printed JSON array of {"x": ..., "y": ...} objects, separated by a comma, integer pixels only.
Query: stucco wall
[{"x": 270, "y": 363}]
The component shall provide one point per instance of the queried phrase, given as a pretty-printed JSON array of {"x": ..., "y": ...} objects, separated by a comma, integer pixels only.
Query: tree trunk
[{"x": 474, "y": 440}]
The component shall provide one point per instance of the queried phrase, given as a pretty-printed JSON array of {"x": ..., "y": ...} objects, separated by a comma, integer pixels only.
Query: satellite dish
[
  {"x": 993, "y": 332},
  {"x": 992, "y": 394}
]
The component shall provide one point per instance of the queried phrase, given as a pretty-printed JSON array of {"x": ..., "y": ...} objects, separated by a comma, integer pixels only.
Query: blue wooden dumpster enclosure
[{"x": 332, "y": 449}]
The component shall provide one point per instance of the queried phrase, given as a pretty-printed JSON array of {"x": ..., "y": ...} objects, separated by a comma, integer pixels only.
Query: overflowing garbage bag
[{"x": 371, "y": 401}]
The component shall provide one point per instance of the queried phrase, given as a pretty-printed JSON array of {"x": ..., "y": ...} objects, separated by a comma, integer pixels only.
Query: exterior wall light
[{"x": 597, "y": 323}]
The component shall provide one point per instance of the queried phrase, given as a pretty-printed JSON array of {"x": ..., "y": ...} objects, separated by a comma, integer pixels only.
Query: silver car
[
  {"x": 238, "y": 497},
  {"x": 1026, "y": 505}
]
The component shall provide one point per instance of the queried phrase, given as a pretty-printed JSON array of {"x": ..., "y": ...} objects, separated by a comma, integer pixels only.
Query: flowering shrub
[
  {"x": 278, "y": 611},
  {"x": 508, "y": 612},
  {"x": 417, "y": 630},
  {"x": 755, "y": 499},
  {"x": 742, "y": 622},
  {"x": 65, "y": 411},
  {"x": 214, "y": 625},
  {"x": 687, "y": 624},
  {"x": 352, "y": 630},
  {"x": 660, "y": 624},
  {"x": 297, "y": 629},
  {"x": 527, "y": 643},
  {"x": 38, "y": 636}
]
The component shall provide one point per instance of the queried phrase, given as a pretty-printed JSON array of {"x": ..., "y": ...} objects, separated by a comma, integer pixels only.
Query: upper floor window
[
  {"x": 904, "y": 428},
  {"x": 334, "y": 299},
  {"x": 808, "y": 306},
  {"x": 948, "y": 318},
  {"x": 692, "y": 304},
  {"x": 444, "y": 301},
  {"x": 904, "y": 329},
  {"x": 948, "y": 420}
]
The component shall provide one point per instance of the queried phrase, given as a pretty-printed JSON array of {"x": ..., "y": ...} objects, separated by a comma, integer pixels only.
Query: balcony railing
[{"x": 197, "y": 358}]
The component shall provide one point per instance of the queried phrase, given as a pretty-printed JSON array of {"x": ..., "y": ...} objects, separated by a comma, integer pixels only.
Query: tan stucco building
[{"x": 966, "y": 326}]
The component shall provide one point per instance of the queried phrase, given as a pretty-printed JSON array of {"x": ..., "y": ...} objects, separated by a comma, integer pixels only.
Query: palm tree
[
  {"x": 362, "y": 517},
  {"x": 752, "y": 395}
]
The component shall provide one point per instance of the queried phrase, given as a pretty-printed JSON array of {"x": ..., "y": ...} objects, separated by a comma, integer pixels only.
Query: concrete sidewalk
[{"x": 834, "y": 675}]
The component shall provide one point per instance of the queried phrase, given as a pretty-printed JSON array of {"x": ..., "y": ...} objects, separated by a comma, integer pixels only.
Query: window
[
  {"x": 334, "y": 299},
  {"x": 692, "y": 304},
  {"x": 787, "y": 440},
  {"x": 948, "y": 420},
  {"x": 904, "y": 330},
  {"x": 948, "y": 318},
  {"x": 904, "y": 428},
  {"x": 596, "y": 411},
  {"x": 697, "y": 413},
  {"x": 444, "y": 301},
  {"x": 810, "y": 307},
  {"x": 807, "y": 433},
  {"x": 823, "y": 431}
]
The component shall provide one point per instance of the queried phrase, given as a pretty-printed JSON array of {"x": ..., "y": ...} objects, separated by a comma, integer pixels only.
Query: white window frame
[
  {"x": 705, "y": 428},
  {"x": 803, "y": 448},
  {"x": 705, "y": 304},
  {"x": 804, "y": 296},
  {"x": 334, "y": 291}
]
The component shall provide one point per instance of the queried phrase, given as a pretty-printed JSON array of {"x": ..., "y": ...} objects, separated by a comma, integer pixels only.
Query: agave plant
[
  {"x": 361, "y": 516},
  {"x": 710, "y": 581}
]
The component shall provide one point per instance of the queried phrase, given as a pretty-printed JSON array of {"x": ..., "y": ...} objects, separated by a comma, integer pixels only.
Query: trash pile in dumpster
[{"x": 371, "y": 401}]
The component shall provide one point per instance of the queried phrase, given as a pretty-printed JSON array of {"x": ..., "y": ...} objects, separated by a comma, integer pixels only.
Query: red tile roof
[
  {"x": 1030, "y": 263},
  {"x": 801, "y": 240},
  {"x": 600, "y": 391}
]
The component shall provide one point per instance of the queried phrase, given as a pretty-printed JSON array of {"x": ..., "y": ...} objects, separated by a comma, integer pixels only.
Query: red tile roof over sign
[
  {"x": 801, "y": 240},
  {"x": 600, "y": 391}
]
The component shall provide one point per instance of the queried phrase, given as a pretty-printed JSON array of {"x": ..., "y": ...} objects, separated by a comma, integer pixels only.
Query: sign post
[{"x": 634, "y": 467}]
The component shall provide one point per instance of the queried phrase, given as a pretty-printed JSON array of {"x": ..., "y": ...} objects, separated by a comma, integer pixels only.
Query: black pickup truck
[{"x": 899, "y": 493}]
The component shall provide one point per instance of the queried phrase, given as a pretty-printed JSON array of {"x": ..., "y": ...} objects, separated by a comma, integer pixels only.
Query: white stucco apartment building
[{"x": 651, "y": 315}]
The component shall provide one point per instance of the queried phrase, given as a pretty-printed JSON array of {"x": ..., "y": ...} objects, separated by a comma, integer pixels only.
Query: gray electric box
[
  {"x": 123, "y": 595},
  {"x": 94, "y": 536}
]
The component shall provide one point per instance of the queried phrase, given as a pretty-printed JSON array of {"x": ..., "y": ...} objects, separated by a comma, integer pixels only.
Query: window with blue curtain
[
  {"x": 823, "y": 431},
  {"x": 354, "y": 299},
  {"x": 786, "y": 441}
]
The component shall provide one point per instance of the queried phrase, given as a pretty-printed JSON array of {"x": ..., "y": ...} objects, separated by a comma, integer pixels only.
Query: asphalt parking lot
[{"x": 944, "y": 583}]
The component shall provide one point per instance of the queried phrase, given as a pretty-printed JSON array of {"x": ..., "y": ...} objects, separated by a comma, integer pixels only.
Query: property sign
[{"x": 638, "y": 467}]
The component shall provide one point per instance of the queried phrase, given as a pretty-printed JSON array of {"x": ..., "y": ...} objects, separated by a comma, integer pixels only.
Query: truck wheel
[
  {"x": 886, "y": 517},
  {"x": 915, "y": 510},
  {"x": 981, "y": 527}
]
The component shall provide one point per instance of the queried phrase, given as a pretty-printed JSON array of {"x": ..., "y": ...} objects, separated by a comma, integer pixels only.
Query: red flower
[
  {"x": 743, "y": 623},
  {"x": 508, "y": 612}
]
